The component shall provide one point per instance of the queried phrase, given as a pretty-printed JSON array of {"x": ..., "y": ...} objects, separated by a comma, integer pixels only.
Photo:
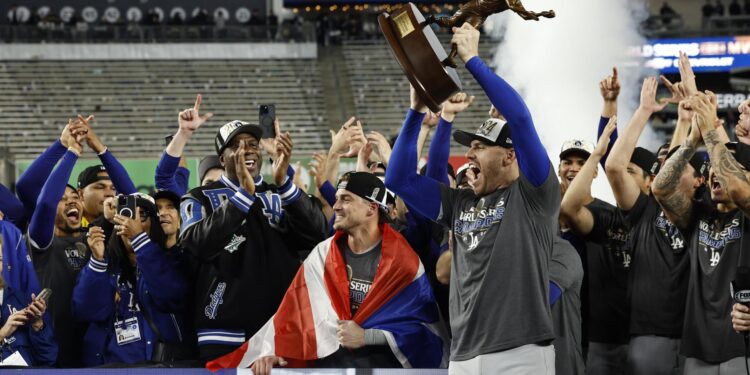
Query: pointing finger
[{"x": 198, "y": 100}]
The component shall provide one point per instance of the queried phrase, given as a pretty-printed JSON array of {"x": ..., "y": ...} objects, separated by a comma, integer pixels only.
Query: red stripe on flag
[
  {"x": 295, "y": 328},
  {"x": 337, "y": 280},
  {"x": 230, "y": 360}
]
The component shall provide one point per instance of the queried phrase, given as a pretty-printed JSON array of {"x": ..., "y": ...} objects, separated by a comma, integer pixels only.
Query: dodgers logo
[
  {"x": 472, "y": 224},
  {"x": 218, "y": 196},
  {"x": 216, "y": 300},
  {"x": 676, "y": 242},
  {"x": 714, "y": 240},
  {"x": 272, "y": 208}
]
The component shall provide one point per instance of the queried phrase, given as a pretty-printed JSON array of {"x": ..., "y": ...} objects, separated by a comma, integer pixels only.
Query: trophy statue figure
[{"x": 414, "y": 44}]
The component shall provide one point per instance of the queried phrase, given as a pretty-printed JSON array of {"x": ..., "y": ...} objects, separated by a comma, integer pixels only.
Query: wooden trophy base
[{"x": 420, "y": 54}]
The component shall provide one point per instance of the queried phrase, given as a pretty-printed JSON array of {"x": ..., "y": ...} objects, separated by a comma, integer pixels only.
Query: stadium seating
[{"x": 136, "y": 102}]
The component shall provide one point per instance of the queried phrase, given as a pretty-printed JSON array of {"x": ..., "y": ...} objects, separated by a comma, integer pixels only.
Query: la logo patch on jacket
[{"x": 234, "y": 243}]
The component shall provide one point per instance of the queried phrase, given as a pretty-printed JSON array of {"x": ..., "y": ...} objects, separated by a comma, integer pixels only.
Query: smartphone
[
  {"x": 266, "y": 117},
  {"x": 45, "y": 294},
  {"x": 126, "y": 206},
  {"x": 168, "y": 140}
]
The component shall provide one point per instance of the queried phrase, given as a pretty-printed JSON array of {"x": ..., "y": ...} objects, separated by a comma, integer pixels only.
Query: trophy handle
[{"x": 450, "y": 60}]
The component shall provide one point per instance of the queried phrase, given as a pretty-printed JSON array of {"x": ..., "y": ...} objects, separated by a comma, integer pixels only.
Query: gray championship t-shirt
[
  {"x": 360, "y": 270},
  {"x": 500, "y": 269},
  {"x": 716, "y": 242},
  {"x": 566, "y": 271}
]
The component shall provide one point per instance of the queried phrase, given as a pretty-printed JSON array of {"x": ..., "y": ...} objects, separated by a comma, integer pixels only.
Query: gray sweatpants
[
  {"x": 654, "y": 355},
  {"x": 606, "y": 359},
  {"x": 524, "y": 360},
  {"x": 734, "y": 366}
]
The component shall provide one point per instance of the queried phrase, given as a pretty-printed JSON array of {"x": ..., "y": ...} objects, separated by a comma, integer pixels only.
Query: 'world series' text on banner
[{"x": 400, "y": 303}]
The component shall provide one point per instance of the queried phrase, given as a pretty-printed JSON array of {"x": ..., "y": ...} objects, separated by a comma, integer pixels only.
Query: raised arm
[
  {"x": 727, "y": 171},
  {"x": 573, "y": 207},
  {"x": 166, "y": 175},
  {"x": 440, "y": 150},
  {"x": 42, "y": 224},
  {"x": 533, "y": 161},
  {"x": 29, "y": 185},
  {"x": 677, "y": 204},
  {"x": 421, "y": 193},
  {"x": 625, "y": 189},
  {"x": 609, "y": 88},
  {"x": 429, "y": 122},
  {"x": 115, "y": 170}
]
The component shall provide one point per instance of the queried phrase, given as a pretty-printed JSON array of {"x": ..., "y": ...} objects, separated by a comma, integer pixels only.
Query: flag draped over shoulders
[{"x": 400, "y": 302}]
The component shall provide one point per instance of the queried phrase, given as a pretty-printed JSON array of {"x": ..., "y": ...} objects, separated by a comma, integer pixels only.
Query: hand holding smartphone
[{"x": 126, "y": 206}]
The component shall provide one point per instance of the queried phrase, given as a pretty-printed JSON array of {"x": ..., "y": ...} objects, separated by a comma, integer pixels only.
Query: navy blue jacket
[
  {"x": 38, "y": 348},
  {"x": 160, "y": 289}
]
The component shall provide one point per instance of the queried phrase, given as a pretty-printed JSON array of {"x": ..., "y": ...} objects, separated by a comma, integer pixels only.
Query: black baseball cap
[
  {"x": 646, "y": 160},
  {"x": 90, "y": 175},
  {"x": 494, "y": 132},
  {"x": 576, "y": 146},
  {"x": 208, "y": 163},
  {"x": 166, "y": 194},
  {"x": 229, "y": 130},
  {"x": 367, "y": 186},
  {"x": 741, "y": 153}
]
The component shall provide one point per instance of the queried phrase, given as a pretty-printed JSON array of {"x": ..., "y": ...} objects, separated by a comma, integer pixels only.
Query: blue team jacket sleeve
[
  {"x": 164, "y": 280},
  {"x": 181, "y": 179},
  {"x": 530, "y": 153},
  {"x": 328, "y": 192},
  {"x": 612, "y": 138},
  {"x": 30, "y": 183},
  {"x": 12, "y": 207},
  {"x": 93, "y": 294},
  {"x": 117, "y": 173},
  {"x": 44, "y": 345},
  {"x": 42, "y": 225},
  {"x": 440, "y": 150},
  {"x": 166, "y": 175},
  {"x": 420, "y": 192}
]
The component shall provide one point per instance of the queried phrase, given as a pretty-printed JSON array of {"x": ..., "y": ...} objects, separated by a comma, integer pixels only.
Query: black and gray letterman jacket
[{"x": 242, "y": 250}]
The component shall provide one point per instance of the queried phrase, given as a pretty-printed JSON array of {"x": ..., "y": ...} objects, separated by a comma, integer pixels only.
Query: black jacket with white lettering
[{"x": 243, "y": 251}]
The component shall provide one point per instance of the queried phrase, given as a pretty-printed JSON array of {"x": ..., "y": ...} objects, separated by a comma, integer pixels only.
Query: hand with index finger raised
[{"x": 190, "y": 119}]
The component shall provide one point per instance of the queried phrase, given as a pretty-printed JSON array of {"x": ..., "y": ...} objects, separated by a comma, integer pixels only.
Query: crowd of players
[{"x": 530, "y": 274}]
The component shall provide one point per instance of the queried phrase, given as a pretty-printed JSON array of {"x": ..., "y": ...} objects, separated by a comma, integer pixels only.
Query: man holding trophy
[{"x": 503, "y": 227}]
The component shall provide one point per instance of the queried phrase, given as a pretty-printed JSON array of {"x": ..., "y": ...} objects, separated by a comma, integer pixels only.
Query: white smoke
[{"x": 556, "y": 65}]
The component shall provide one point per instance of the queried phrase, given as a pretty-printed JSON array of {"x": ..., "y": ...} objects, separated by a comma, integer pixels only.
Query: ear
[
  {"x": 510, "y": 156},
  {"x": 80, "y": 193},
  {"x": 221, "y": 160}
]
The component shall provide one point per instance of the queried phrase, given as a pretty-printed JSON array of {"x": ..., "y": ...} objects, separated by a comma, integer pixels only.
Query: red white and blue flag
[{"x": 400, "y": 303}]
